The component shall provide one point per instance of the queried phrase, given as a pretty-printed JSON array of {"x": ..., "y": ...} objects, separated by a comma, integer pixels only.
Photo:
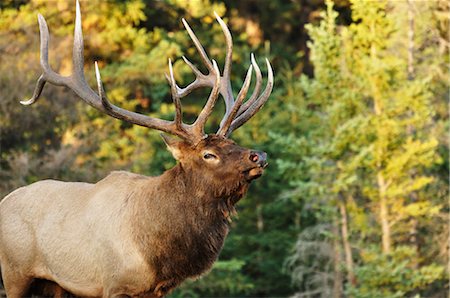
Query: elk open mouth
[{"x": 254, "y": 173}]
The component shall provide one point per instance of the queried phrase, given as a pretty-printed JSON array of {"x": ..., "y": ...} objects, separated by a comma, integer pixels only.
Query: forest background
[{"x": 355, "y": 200}]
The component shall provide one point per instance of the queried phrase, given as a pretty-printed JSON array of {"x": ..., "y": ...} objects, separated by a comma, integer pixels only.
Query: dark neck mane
[
  {"x": 184, "y": 221},
  {"x": 218, "y": 195}
]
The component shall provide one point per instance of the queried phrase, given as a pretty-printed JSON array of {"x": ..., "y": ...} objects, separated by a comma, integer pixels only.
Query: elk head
[
  {"x": 194, "y": 149},
  {"x": 219, "y": 164}
]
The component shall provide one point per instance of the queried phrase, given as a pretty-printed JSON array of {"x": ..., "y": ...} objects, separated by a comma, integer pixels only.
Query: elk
[{"x": 130, "y": 235}]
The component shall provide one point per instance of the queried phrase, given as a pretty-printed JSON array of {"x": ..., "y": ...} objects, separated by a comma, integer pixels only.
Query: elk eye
[{"x": 209, "y": 156}]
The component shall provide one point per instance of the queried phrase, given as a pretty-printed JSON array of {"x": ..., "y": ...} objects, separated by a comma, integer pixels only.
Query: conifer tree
[{"x": 376, "y": 131}]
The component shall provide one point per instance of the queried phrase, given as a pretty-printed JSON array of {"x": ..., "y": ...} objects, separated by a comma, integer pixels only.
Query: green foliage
[
  {"x": 393, "y": 275},
  {"x": 311, "y": 264},
  {"x": 373, "y": 149},
  {"x": 330, "y": 134},
  {"x": 225, "y": 277}
]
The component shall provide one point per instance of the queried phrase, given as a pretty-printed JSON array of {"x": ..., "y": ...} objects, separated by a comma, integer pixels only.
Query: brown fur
[{"x": 127, "y": 234}]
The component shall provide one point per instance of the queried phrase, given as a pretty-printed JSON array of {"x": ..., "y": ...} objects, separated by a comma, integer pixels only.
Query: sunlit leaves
[{"x": 374, "y": 142}]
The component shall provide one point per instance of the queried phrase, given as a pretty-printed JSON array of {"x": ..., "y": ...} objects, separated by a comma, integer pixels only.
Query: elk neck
[
  {"x": 216, "y": 197},
  {"x": 182, "y": 227}
]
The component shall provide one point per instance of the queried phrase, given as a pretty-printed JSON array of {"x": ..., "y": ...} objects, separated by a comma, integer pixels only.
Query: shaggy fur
[{"x": 127, "y": 235}]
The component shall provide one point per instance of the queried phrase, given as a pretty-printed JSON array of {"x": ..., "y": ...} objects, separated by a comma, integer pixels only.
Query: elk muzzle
[{"x": 259, "y": 163}]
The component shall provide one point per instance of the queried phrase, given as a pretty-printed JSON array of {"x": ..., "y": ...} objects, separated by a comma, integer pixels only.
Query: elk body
[{"x": 130, "y": 235}]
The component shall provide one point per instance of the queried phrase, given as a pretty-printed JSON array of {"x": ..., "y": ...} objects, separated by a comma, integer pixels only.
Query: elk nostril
[{"x": 254, "y": 157}]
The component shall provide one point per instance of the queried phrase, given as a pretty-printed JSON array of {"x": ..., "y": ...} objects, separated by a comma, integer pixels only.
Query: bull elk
[{"x": 130, "y": 235}]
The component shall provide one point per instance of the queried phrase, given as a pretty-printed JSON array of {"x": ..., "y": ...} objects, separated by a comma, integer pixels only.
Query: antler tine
[
  {"x": 227, "y": 120},
  {"x": 229, "y": 42},
  {"x": 257, "y": 105},
  {"x": 36, "y": 93},
  {"x": 199, "y": 124},
  {"x": 194, "y": 69},
  {"x": 200, "y": 80},
  {"x": 198, "y": 45},
  {"x": 258, "y": 85},
  {"x": 78, "y": 46},
  {"x": 101, "y": 90},
  {"x": 48, "y": 73},
  {"x": 175, "y": 98},
  {"x": 227, "y": 92},
  {"x": 77, "y": 81}
]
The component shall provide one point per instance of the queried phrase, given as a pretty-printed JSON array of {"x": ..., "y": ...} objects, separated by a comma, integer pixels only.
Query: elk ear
[{"x": 174, "y": 145}]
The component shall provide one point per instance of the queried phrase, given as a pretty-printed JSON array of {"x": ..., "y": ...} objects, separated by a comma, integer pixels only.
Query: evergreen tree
[{"x": 368, "y": 104}]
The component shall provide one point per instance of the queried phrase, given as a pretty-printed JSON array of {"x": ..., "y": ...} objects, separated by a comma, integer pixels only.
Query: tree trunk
[
  {"x": 380, "y": 147},
  {"x": 259, "y": 218},
  {"x": 384, "y": 215},
  {"x": 337, "y": 278},
  {"x": 410, "y": 40},
  {"x": 411, "y": 131},
  {"x": 346, "y": 243}
]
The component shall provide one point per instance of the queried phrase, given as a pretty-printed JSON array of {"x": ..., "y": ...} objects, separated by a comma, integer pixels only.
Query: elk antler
[{"x": 236, "y": 114}]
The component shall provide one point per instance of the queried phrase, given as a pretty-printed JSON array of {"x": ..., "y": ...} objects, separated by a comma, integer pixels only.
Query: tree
[{"x": 368, "y": 103}]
